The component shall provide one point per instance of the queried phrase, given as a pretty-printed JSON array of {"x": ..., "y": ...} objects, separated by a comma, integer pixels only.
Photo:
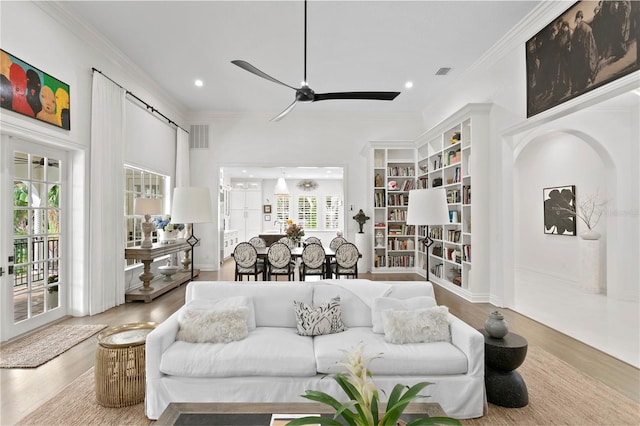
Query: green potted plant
[{"x": 363, "y": 406}]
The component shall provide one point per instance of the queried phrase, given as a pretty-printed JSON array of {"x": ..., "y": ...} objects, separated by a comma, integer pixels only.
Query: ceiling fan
[{"x": 305, "y": 93}]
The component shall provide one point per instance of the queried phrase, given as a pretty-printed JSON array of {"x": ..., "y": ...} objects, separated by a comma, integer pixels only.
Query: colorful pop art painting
[{"x": 29, "y": 91}]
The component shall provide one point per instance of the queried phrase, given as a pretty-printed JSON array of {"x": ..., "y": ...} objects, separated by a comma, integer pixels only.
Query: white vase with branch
[{"x": 590, "y": 211}]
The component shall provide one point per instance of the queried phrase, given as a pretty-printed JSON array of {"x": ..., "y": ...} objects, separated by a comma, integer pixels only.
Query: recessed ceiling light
[
  {"x": 198, "y": 83},
  {"x": 244, "y": 171},
  {"x": 408, "y": 84}
]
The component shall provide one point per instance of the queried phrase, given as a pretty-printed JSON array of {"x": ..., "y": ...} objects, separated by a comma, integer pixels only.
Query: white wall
[{"x": 298, "y": 140}]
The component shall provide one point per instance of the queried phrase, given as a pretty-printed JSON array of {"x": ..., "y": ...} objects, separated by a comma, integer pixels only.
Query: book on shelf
[
  {"x": 401, "y": 229},
  {"x": 397, "y": 215},
  {"x": 403, "y": 261},
  {"x": 379, "y": 199},
  {"x": 453, "y": 235},
  {"x": 466, "y": 251},
  {"x": 400, "y": 171},
  {"x": 423, "y": 183},
  {"x": 466, "y": 194}
]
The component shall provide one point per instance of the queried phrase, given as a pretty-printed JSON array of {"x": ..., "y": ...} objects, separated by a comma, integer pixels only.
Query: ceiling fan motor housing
[{"x": 305, "y": 94}]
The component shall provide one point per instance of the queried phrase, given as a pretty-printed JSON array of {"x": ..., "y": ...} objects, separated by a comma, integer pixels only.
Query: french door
[{"x": 32, "y": 236}]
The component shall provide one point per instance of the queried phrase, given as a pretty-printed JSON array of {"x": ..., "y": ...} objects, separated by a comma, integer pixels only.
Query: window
[
  {"x": 139, "y": 183},
  {"x": 308, "y": 212},
  {"x": 332, "y": 212},
  {"x": 282, "y": 208}
]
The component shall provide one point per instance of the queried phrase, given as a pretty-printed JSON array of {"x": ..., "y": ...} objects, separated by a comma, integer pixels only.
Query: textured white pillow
[
  {"x": 228, "y": 302},
  {"x": 324, "y": 319},
  {"x": 383, "y": 303},
  {"x": 420, "y": 325},
  {"x": 214, "y": 326}
]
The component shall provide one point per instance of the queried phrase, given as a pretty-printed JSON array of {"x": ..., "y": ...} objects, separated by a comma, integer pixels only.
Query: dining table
[{"x": 296, "y": 253}]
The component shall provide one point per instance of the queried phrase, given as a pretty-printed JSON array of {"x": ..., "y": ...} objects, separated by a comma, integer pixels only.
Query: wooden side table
[
  {"x": 120, "y": 364},
  {"x": 505, "y": 386}
]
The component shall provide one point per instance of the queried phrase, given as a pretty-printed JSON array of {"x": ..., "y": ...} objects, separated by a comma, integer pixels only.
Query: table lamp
[
  {"x": 427, "y": 207},
  {"x": 147, "y": 207},
  {"x": 191, "y": 205}
]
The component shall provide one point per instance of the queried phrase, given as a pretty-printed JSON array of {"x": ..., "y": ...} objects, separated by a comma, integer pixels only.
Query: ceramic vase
[
  {"x": 167, "y": 237},
  {"x": 496, "y": 326},
  {"x": 590, "y": 235}
]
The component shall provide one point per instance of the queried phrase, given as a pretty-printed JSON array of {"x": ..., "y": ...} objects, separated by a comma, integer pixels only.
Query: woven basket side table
[{"x": 120, "y": 364}]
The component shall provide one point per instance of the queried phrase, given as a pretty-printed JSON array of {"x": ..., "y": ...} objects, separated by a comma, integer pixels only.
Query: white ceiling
[{"x": 352, "y": 46}]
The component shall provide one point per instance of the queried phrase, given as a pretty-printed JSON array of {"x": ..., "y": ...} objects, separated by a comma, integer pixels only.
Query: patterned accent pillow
[
  {"x": 420, "y": 325},
  {"x": 324, "y": 319}
]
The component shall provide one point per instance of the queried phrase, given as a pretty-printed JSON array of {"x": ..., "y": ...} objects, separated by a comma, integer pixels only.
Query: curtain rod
[{"x": 149, "y": 107}]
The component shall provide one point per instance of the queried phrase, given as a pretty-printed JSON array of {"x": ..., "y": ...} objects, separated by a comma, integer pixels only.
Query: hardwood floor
[{"x": 23, "y": 390}]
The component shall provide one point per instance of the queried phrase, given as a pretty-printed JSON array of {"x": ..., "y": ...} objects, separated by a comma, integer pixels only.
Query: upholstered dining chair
[
  {"x": 347, "y": 256},
  {"x": 313, "y": 240},
  {"x": 279, "y": 261},
  {"x": 313, "y": 261},
  {"x": 287, "y": 241},
  {"x": 246, "y": 258},
  {"x": 258, "y": 242},
  {"x": 337, "y": 242}
]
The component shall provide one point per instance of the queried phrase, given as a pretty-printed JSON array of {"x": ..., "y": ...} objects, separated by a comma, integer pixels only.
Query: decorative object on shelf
[
  {"x": 167, "y": 231},
  {"x": 427, "y": 207},
  {"x": 192, "y": 205},
  {"x": 392, "y": 185},
  {"x": 378, "y": 181},
  {"x": 559, "y": 210},
  {"x": 147, "y": 207},
  {"x": 361, "y": 218},
  {"x": 168, "y": 270},
  {"x": 294, "y": 232},
  {"x": 379, "y": 239},
  {"x": 583, "y": 70},
  {"x": 307, "y": 185},
  {"x": 364, "y": 405},
  {"x": 455, "y": 138},
  {"x": 496, "y": 325}
]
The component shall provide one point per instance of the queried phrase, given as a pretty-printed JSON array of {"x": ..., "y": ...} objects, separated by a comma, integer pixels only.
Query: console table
[
  {"x": 146, "y": 255},
  {"x": 505, "y": 386}
]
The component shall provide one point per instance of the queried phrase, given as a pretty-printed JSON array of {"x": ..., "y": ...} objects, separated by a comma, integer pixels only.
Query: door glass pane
[{"x": 53, "y": 171}]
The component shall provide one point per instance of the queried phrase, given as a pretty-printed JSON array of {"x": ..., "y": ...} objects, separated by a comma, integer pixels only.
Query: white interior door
[{"x": 32, "y": 243}]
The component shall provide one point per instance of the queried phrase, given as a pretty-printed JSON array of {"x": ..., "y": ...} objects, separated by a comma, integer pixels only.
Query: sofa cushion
[
  {"x": 229, "y": 302},
  {"x": 220, "y": 325},
  {"x": 272, "y": 300},
  {"x": 323, "y": 319},
  {"x": 437, "y": 358},
  {"x": 382, "y": 303},
  {"x": 415, "y": 326},
  {"x": 266, "y": 351}
]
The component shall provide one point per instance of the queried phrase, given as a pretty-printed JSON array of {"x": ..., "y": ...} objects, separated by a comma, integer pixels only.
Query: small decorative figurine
[{"x": 378, "y": 180}]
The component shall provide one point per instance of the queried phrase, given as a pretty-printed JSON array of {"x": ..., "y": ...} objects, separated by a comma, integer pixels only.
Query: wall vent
[
  {"x": 443, "y": 71},
  {"x": 199, "y": 136}
]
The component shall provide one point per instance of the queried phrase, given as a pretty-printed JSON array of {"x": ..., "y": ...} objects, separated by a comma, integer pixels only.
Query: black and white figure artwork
[
  {"x": 591, "y": 44},
  {"x": 560, "y": 210}
]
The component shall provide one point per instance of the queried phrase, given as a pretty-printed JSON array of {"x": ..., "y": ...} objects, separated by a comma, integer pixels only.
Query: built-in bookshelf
[
  {"x": 393, "y": 176},
  {"x": 445, "y": 160}
]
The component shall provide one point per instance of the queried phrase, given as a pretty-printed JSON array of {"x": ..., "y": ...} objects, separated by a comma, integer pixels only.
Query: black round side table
[{"x": 505, "y": 386}]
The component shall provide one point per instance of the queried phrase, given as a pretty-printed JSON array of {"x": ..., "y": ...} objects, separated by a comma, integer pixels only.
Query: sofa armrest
[
  {"x": 158, "y": 341},
  {"x": 471, "y": 342}
]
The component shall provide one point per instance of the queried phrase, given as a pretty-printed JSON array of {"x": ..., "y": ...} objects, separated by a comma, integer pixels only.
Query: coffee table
[{"x": 259, "y": 413}]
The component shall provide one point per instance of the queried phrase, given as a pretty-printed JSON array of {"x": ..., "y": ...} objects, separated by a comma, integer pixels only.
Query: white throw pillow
[
  {"x": 420, "y": 325},
  {"x": 228, "y": 302},
  {"x": 383, "y": 303},
  {"x": 214, "y": 326},
  {"x": 324, "y": 319}
]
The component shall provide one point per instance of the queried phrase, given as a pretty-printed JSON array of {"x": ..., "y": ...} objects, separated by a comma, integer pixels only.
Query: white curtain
[
  {"x": 182, "y": 158},
  {"x": 106, "y": 207}
]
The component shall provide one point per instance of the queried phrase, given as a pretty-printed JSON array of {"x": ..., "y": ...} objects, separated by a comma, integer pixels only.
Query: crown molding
[{"x": 87, "y": 34}]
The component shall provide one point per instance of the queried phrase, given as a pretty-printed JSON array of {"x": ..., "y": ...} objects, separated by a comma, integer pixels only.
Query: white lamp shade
[
  {"x": 281, "y": 187},
  {"x": 427, "y": 207},
  {"x": 144, "y": 206},
  {"x": 191, "y": 205}
]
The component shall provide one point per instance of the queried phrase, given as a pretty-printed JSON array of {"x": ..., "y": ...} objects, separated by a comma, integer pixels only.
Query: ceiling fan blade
[
  {"x": 380, "y": 96},
  {"x": 253, "y": 70},
  {"x": 285, "y": 112}
]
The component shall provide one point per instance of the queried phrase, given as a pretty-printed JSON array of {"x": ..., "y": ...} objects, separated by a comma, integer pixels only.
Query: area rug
[
  {"x": 558, "y": 394},
  {"x": 37, "y": 348}
]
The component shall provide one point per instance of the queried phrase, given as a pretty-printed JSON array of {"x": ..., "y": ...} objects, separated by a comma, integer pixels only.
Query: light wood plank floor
[{"x": 23, "y": 390}]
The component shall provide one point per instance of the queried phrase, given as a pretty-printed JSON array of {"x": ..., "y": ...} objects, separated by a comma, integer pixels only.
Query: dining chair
[
  {"x": 313, "y": 261},
  {"x": 347, "y": 256},
  {"x": 246, "y": 258},
  {"x": 279, "y": 261},
  {"x": 313, "y": 240},
  {"x": 258, "y": 242},
  {"x": 337, "y": 242}
]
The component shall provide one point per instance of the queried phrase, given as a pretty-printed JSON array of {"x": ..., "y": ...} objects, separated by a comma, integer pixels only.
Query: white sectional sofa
[{"x": 276, "y": 364}]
